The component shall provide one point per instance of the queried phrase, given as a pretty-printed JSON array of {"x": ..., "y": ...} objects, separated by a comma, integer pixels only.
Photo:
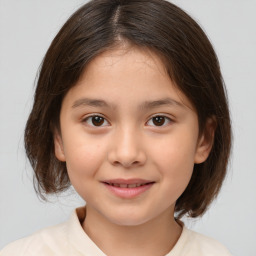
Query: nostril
[
  {"x": 126, "y": 159},
  {"x": 126, "y": 164}
]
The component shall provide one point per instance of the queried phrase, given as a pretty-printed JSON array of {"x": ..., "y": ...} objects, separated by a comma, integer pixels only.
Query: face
[{"x": 129, "y": 137}]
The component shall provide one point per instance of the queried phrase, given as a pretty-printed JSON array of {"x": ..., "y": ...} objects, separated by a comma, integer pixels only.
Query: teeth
[
  {"x": 127, "y": 185},
  {"x": 132, "y": 185}
]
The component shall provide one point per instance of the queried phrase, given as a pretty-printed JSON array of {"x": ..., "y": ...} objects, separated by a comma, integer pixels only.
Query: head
[{"x": 188, "y": 58}]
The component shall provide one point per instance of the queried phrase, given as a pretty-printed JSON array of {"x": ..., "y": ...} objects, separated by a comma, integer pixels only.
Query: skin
[{"x": 128, "y": 144}]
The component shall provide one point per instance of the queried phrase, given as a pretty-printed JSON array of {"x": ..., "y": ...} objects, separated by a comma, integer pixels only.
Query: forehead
[
  {"x": 137, "y": 60},
  {"x": 128, "y": 72}
]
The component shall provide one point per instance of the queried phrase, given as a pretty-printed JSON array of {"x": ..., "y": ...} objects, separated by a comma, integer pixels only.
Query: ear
[
  {"x": 58, "y": 147},
  {"x": 205, "y": 141}
]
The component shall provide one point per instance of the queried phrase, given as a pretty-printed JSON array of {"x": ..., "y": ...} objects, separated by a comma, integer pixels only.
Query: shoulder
[
  {"x": 48, "y": 241},
  {"x": 198, "y": 244}
]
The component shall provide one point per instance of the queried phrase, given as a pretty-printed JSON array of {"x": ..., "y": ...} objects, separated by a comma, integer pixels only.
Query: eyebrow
[
  {"x": 159, "y": 103},
  {"x": 145, "y": 105},
  {"x": 91, "y": 102}
]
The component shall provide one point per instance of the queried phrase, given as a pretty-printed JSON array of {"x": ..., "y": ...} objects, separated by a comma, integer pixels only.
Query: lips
[
  {"x": 127, "y": 185},
  {"x": 128, "y": 188}
]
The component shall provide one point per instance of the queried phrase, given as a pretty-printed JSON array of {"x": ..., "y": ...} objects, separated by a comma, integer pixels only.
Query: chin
[{"x": 129, "y": 219}]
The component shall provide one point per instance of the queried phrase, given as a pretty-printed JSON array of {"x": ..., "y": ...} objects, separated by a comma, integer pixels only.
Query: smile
[
  {"x": 128, "y": 189},
  {"x": 127, "y": 185}
]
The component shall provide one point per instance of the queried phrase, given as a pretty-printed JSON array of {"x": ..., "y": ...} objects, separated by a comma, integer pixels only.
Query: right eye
[{"x": 96, "y": 121}]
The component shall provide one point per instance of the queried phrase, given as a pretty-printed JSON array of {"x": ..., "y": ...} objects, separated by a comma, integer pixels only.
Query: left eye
[
  {"x": 97, "y": 121},
  {"x": 159, "y": 121}
]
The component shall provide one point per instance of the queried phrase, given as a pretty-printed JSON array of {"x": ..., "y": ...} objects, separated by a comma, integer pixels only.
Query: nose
[{"x": 127, "y": 149}]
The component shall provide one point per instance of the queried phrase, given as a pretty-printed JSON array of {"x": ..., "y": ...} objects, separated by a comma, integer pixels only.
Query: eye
[
  {"x": 96, "y": 120},
  {"x": 159, "y": 121}
]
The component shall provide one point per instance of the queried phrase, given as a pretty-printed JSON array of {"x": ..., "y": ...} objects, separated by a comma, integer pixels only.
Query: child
[{"x": 130, "y": 108}]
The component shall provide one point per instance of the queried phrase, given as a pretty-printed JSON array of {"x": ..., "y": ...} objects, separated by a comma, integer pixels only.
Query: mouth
[
  {"x": 124, "y": 185},
  {"x": 128, "y": 189}
]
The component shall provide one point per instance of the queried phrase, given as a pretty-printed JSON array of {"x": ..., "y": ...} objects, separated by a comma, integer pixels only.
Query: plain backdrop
[{"x": 26, "y": 30}]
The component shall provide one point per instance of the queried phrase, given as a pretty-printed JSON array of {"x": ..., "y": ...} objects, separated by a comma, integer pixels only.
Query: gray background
[{"x": 26, "y": 30}]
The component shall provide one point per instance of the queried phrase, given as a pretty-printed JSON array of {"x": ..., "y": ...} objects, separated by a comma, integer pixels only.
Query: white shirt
[{"x": 69, "y": 239}]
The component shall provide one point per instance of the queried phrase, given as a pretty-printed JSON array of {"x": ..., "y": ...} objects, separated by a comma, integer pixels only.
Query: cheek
[
  {"x": 174, "y": 158},
  {"x": 83, "y": 158},
  {"x": 174, "y": 150}
]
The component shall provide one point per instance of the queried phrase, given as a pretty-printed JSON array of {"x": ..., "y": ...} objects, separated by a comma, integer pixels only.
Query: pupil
[
  {"x": 158, "y": 120},
  {"x": 97, "y": 120}
]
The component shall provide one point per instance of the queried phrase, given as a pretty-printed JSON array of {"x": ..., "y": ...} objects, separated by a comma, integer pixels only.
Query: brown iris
[
  {"x": 97, "y": 120},
  {"x": 158, "y": 120}
]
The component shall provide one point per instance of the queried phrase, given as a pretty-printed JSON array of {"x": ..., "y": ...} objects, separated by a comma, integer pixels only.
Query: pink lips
[{"x": 128, "y": 188}]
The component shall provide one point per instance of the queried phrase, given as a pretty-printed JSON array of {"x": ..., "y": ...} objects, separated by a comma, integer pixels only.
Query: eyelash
[
  {"x": 166, "y": 119},
  {"x": 85, "y": 120}
]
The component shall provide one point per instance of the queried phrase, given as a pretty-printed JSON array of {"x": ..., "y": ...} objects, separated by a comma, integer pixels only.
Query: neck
[{"x": 156, "y": 237}]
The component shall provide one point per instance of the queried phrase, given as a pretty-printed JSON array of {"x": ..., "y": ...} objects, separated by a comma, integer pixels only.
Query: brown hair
[{"x": 190, "y": 61}]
